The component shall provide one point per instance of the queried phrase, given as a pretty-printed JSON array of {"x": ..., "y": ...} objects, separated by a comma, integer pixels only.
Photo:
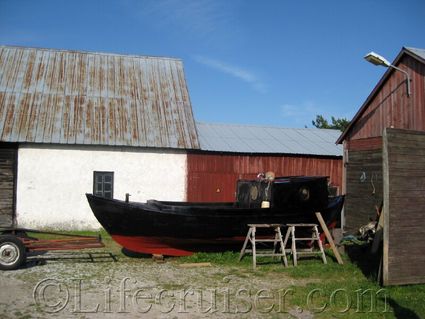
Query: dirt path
[{"x": 134, "y": 288}]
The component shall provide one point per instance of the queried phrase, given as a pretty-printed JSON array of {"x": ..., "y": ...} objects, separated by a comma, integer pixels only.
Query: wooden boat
[{"x": 181, "y": 228}]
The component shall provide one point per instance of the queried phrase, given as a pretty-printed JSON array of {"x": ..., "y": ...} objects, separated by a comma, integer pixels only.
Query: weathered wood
[
  {"x": 404, "y": 202},
  {"x": 329, "y": 238},
  {"x": 195, "y": 265},
  {"x": 158, "y": 258},
  {"x": 277, "y": 243},
  {"x": 362, "y": 195},
  {"x": 290, "y": 233},
  {"x": 8, "y": 155}
]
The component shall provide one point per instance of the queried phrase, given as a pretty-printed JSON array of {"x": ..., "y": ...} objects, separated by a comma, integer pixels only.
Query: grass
[{"x": 335, "y": 288}]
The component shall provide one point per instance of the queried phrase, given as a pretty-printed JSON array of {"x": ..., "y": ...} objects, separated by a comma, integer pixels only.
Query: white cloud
[
  {"x": 300, "y": 115},
  {"x": 235, "y": 71},
  {"x": 19, "y": 36},
  {"x": 201, "y": 18}
]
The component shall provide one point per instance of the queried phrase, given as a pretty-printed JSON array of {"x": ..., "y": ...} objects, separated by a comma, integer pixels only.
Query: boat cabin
[{"x": 301, "y": 192}]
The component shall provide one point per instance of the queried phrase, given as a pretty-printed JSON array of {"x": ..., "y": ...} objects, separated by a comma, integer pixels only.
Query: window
[{"x": 103, "y": 184}]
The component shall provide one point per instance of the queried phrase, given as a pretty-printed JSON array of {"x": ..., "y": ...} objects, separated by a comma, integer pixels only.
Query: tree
[{"x": 337, "y": 124}]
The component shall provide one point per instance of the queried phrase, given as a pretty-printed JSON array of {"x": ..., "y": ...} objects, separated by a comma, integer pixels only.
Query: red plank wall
[
  {"x": 391, "y": 107},
  {"x": 212, "y": 177}
]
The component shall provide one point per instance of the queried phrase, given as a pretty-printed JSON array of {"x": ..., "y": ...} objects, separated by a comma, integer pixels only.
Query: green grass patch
[{"x": 331, "y": 290}]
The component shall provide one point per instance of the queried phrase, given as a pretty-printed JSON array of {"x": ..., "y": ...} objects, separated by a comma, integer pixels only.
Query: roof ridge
[
  {"x": 413, "y": 48},
  {"x": 264, "y": 126},
  {"x": 91, "y": 52}
]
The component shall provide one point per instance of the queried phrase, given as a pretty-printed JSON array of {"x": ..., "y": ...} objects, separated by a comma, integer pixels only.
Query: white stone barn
[{"x": 79, "y": 122}]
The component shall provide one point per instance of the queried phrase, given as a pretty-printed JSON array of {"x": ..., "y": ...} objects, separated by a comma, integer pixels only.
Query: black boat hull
[{"x": 179, "y": 229}]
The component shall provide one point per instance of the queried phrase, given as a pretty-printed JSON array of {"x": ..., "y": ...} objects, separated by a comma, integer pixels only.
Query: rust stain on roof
[{"x": 71, "y": 97}]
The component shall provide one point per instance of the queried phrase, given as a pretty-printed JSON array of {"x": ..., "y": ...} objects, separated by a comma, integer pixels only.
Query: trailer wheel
[{"x": 12, "y": 252}]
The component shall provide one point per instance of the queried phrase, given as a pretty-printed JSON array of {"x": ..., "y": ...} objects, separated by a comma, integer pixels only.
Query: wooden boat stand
[
  {"x": 315, "y": 236},
  {"x": 279, "y": 249},
  {"x": 278, "y": 245}
]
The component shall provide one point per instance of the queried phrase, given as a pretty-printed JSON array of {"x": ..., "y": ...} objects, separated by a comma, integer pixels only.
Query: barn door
[{"x": 8, "y": 156}]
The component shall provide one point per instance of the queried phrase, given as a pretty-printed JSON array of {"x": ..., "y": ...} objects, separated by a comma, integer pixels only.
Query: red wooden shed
[
  {"x": 384, "y": 166},
  {"x": 387, "y": 106},
  {"x": 232, "y": 152}
]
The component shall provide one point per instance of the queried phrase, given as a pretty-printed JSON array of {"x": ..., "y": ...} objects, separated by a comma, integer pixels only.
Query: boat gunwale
[{"x": 197, "y": 211}]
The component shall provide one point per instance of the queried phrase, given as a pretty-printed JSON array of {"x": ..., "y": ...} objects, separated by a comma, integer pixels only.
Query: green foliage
[{"x": 337, "y": 123}]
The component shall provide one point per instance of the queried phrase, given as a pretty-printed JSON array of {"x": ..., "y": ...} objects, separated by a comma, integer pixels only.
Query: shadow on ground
[
  {"x": 402, "y": 312},
  {"x": 367, "y": 262}
]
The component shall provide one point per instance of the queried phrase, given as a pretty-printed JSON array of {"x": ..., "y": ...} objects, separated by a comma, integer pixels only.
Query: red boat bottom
[
  {"x": 168, "y": 246},
  {"x": 149, "y": 245}
]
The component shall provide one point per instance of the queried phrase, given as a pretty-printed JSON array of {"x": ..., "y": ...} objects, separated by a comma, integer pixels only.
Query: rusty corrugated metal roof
[{"x": 73, "y": 97}]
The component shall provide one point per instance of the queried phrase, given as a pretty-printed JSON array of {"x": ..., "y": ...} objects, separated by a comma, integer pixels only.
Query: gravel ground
[{"x": 134, "y": 288}]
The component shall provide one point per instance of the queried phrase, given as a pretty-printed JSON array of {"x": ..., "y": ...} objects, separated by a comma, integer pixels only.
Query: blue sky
[{"x": 252, "y": 62}]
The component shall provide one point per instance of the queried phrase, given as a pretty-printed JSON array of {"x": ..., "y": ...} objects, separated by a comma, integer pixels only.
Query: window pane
[
  {"x": 103, "y": 184},
  {"x": 107, "y": 195}
]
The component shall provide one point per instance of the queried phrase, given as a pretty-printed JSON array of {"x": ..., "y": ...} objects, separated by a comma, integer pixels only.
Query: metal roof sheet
[
  {"x": 264, "y": 139},
  {"x": 74, "y": 97},
  {"x": 419, "y": 52}
]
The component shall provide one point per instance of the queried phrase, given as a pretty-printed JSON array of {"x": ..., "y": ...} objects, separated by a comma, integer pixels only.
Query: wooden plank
[
  {"x": 362, "y": 196},
  {"x": 329, "y": 238},
  {"x": 404, "y": 198},
  {"x": 7, "y": 184},
  {"x": 386, "y": 186},
  {"x": 195, "y": 265}
]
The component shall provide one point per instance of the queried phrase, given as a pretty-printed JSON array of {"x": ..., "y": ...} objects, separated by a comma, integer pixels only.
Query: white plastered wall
[{"x": 53, "y": 180}]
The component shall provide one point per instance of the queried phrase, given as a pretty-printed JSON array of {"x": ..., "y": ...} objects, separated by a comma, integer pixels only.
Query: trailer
[{"x": 16, "y": 244}]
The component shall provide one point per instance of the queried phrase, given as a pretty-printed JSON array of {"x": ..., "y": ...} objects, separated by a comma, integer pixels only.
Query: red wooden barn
[
  {"x": 387, "y": 106},
  {"x": 384, "y": 166},
  {"x": 232, "y": 152}
]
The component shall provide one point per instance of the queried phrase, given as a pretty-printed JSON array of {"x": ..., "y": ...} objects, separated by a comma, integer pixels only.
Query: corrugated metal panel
[
  {"x": 212, "y": 178},
  {"x": 69, "y": 97},
  {"x": 268, "y": 140},
  {"x": 417, "y": 51}
]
